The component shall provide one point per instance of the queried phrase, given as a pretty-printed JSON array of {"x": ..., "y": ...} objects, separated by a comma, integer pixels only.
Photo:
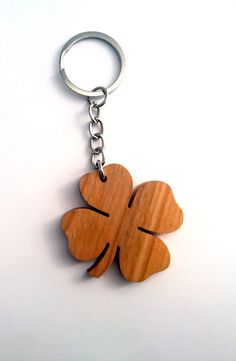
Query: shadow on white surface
[
  {"x": 112, "y": 278},
  {"x": 57, "y": 244}
]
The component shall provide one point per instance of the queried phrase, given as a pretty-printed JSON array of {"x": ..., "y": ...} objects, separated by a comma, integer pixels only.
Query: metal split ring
[{"x": 92, "y": 35}]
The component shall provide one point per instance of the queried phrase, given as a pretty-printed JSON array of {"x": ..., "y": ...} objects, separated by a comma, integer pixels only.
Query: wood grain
[{"x": 120, "y": 222}]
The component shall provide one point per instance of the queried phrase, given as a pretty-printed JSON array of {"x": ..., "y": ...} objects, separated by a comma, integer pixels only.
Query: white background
[{"x": 173, "y": 119}]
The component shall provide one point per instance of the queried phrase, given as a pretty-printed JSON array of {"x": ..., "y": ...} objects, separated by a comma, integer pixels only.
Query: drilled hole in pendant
[
  {"x": 99, "y": 165},
  {"x": 103, "y": 178}
]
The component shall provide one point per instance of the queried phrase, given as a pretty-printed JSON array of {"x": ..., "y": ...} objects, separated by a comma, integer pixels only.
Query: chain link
[
  {"x": 96, "y": 132},
  {"x": 94, "y": 112}
]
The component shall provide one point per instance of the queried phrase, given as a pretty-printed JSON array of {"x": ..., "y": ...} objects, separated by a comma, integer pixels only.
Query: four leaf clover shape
[{"x": 120, "y": 222}]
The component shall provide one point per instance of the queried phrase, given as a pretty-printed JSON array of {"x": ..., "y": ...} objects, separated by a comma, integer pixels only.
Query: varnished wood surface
[{"x": 114, "y": 223}]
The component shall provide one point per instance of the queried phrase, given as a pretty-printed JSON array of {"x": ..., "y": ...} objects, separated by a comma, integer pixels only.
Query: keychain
[{"x": 117, "y": 222}]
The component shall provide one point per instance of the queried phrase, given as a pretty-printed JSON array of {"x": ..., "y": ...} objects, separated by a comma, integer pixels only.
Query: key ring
[
  {"x": 92, "y": 35},
  {"x": 117, "y": 223}
]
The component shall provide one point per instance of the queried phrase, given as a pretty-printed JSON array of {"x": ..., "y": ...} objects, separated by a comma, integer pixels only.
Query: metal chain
[{"x": 96, "y": 132}]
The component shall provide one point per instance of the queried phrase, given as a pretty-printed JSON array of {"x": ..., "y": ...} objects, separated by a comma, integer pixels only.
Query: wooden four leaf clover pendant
[{"x": 119, "y": 221}]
